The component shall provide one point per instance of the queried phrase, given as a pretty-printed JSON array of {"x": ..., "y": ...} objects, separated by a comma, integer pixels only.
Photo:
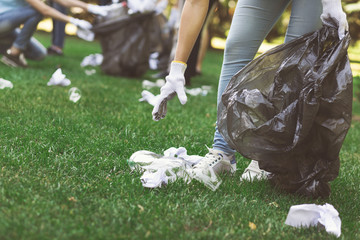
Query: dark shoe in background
[
  {"x": 54, "y": 51},
  {"x": 14, "y": 61}
]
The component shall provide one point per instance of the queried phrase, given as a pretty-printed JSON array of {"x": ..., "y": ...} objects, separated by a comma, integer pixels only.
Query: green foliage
[{"x": 64, "y": 172}]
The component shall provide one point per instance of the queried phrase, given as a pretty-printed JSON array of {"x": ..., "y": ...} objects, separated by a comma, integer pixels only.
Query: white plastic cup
[{"x": 74, "y": 94}]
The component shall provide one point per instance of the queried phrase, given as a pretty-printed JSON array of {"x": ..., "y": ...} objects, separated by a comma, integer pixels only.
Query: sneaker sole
[{"x": 9, "y": 62}]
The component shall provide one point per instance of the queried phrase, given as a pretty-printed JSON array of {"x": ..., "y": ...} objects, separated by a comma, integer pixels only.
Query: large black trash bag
[
  {"x": 290, "y": 109},
  {"x": 125, "y": 44}
]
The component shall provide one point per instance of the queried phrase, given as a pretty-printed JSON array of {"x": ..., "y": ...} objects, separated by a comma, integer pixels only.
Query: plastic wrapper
[
  {"x": 125, "y": 44},
  {"x": 290, "y": 109},
  {"x": 74, "y": 94},
  {"x": 5, "y": 84},
  {"x": 159, "y": 170}
]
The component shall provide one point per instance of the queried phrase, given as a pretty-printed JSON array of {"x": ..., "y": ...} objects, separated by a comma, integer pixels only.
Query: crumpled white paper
[
  {"x": 152, "y": 99},
  {"x": 85, "y": 34},
  {"x": 92, "y": 60},
  {"x": 149, "y": 97},
  {"x": 147, "y": 6},
  {"x": 149, "y": 84},
  {"x": 58, "y": 79},
  {"x": 90, "y": 72},
  {"x": 74, "y": 94},
  {"x": 306, "y": 215},
  {"x": 5, "y": 84},
  {"x": 202, "y": 91},
  {"x": 159, "y": 170}
]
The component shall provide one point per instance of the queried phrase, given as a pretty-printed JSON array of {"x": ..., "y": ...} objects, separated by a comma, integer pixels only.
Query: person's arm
[
  {"x": 48, "y": 11},
  {"x": 95, "y": 9},
  {"x": 192, "y": 19},
  {"x": 53, "y": 13},
  {"x": 73, "y": 3}
]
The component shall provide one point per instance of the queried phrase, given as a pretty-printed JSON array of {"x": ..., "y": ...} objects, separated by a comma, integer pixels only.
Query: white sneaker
[
  {"x": 208, "y": 169},
  {"x": 253, "y": 172},
  {"x": 218, "y": 161}
]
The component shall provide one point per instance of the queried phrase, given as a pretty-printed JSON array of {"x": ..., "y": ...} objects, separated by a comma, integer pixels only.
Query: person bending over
[{"x": 15, "y": 43}]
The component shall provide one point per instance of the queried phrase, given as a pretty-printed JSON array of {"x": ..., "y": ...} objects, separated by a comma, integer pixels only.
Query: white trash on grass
[
  {"x": 149, "y": 84},
  {"x": 159, "y": 170},
  {"x": 94, "y": 60},
  {"x": 85, "y": 34},
  {"x": 74, "y": 94},
  {"x": 5, "y": 84},
  {"x": 306, "y": 215},
  {"x": 58, "y": 79},
  {"x": 90, "y": 72},
  {"x": 148, "y": 97}
]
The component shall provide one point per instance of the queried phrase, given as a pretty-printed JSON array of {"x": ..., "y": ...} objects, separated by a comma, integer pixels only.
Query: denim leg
[
  {"x": 34, "y": 49},
  {"x": 58, "y": 32},
  {"x": 305, "y": 18},
  {"x": 12, "y": 19},
  {"x": 252, "y": 21},
  {"x": 6, "y": 41}
]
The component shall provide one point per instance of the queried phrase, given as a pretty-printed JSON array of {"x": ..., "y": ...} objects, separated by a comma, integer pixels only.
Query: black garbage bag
[
  {"x": 290, "y": 109},
  {"x": 125, "y": 44},
  {"x": 161, "y": 38}
]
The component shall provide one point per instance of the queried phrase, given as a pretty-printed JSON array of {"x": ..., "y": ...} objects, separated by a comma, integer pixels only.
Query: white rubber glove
[
  {"x": 333, "y": 9},
  {"x": 81, "y": 23},
  {"x": 98, "y": 10},
  {"x": 175, "y": 82}
]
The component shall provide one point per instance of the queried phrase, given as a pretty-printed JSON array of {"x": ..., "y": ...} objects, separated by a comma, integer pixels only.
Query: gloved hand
[
  {"x": 333, "y": 9},
  {"x": 98, "y": 10},
  {"x": 81, "y": 23},
  {"x": 175, "y": 82}
]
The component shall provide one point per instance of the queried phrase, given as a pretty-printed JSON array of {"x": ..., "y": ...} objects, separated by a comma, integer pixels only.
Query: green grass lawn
[{"x": 64, "y": 172}]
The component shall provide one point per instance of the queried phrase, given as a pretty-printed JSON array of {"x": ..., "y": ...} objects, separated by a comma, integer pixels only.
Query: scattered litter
[
  {"x": 74, "y": 94},
  {"x": 149, "y": 84},
  {"x": 307, "y": 215},
  {"x": 144, "y": 6},
  {"x": 85, "y": 34},
  {"x": 58, "y": 79},
  {"x": 5, "y": 84},
  {"x": 202, "y": 91},
  {"x": 159, "y": 170},
  {"x": 152, "y": 99},
  {"x": 154, "y": 60},
  {"x": 92, "y": 60},
  {"x": 90, "y": 72},
  {"x": 148, "y": 97}
]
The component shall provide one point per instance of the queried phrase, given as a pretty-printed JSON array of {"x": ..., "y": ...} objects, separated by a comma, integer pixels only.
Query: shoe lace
[{"x": 209, "y": 158}]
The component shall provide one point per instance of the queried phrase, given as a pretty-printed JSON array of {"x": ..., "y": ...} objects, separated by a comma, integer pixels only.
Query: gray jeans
[{"x": 252, "y": 21}]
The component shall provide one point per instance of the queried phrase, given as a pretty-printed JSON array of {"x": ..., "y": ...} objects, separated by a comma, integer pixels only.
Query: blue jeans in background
[
  {"x": 252, "y": 21},
  {"x": 58, "y": 32},
  {"x": 11, "y": 35}
]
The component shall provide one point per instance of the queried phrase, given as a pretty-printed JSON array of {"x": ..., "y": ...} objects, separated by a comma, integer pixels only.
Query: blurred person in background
[
  {"x": 58, "y": 32},
  {"x": 19, "y": 43}
]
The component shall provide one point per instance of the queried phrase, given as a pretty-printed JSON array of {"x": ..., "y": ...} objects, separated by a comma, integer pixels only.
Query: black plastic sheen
[
  {"x": 125, "y": 43},
  {"x": 290, "y": 109}
]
